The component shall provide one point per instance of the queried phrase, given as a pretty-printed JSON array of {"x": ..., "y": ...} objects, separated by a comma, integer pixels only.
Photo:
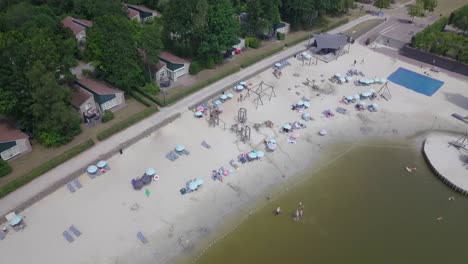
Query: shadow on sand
[{"x": 457, "y": 99}]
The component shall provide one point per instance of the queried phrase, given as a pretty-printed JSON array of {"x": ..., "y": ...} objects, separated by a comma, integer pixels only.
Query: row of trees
[{"x": 459, "y": 19}]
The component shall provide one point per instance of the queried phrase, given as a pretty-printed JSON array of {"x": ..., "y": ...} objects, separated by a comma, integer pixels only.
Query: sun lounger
[
  {"x": 2, "y": 235},
  {"x": 186, "y": 152},
  {"x": 77, "y": 183},
  {"x": 205, "y": 144},
  {"x": 172, "y": 156},
  {"x": 142, "y": 238},
  {"x": 70, "y": 188},
  {"x": 75, "y": 231},
  {"x": 68, "y": 237}
]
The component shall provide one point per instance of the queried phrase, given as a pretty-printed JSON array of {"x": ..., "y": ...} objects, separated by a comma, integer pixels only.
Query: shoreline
[{"x": 102, "y": 209}]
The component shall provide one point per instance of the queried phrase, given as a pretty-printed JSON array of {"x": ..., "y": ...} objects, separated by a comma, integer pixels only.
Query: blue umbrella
[
  {"x": 217, "y": 102},
  {"x": 287, "y": 126},
  {"x": 272, "y": 146},
  {"x": 300, "y": 103},
  {"x": 180, "y": 148},
  {"x": 260, "y": 153},
  {"x": 349, "y": 98},
  {"x": 252, "y": 155},
  {"x": 272, "y": 140},
  {"x": 150, "y": 172},
  {"x": 101, "y": 164},
  {"x": 192, "y": 185},
  {"x": 356, "y": 96},
  {"x": 239, "y": 87},
  {"x": 307, "y": 104},
  {"x": 306, "y": 116},
  {"x": 230, "y": 95},
  {"x": 198, "y": 181},
  {"x": 198, "y": 113},
  {"x": 15, "y": 220},
  {"x": 243, "y": 83},
  {"x": 92, "y": 169},
  {"x": 223, "y": 97}
]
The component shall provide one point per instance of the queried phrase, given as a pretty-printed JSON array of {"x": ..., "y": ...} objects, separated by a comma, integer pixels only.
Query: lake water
[{"x": 363, "y": 208}]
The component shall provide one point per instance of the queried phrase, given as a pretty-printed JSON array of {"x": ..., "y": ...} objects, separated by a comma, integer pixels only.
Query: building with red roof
[
  {"x": 78, "y": 27},
  {"x": 13, "y": 142}
]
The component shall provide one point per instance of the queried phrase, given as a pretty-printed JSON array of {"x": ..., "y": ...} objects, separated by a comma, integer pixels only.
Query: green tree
[
  {"x": 112, "y": 47},
  {"x": 299, "y": 12},
  {"x": 54, "y": 123},
  {"x": 416, "y": 10},
  {"x": 92, "y": 9},
  {"x": 429, "y": 5},
  {"x": 262, "y": 15},
  {"x": 382, "y": 4},
  {"x": 149, "y": 42}
]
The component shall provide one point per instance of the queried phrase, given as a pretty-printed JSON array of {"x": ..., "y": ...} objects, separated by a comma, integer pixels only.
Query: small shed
[
  {"x": 240, "y": 45},
  {"x": 13, "y": 142},
  {"x": 176, "y": 67},
  {"x": 106, "y": 96}
]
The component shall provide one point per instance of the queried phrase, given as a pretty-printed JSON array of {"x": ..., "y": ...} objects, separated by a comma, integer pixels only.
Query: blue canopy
[
  {"x": 15, "y": 220},
  {"x": 101, "y": 164},
  {"x": 230, "y": 95},
  {"x": 217, "y": 102},
  {"x": 180, "y": 148},
  {"x": 223, "y": 97},
  {"x": 192, "y": 185},
  {"x": 150, "y": 172},
  {"x": 260, "y": 153},
  {"x": 300, "y": 103},
  {"x": 349, "y": 98},
  {"x": 198, "y": 113},
  {"x": 92, "y": 169},
  {"x": 252, "y": 155},
  {"x": 287, "y": 126},
  {"x": 307, "y": 104},
  {"x": 198, "y": 181}
]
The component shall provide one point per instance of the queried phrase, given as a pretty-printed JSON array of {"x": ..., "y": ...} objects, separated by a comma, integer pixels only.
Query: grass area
[
  {"x": 445, "y": 7},
  {"x": 40, "y": 154},
  {"x": 362, "y": 28},
  {"x": 45, "y": 167}
]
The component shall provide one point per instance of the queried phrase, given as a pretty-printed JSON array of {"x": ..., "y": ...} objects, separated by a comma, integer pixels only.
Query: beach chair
[
  {"x": 341, "y": 110},
  {"x": 77, "y": 183},
  {"x": 186, "y": 152},
  {"x": 142, "y": 238},
  {"x": 67, "y": 236},
  {"x": 75, "y": 231},
  {"x": 204, "y": 144},
  {"x": 70, "y": 188},
  {"x": 2, "y": 235}
]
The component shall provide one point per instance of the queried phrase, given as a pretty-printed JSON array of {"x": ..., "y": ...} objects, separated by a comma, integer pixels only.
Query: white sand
[{"x": 102, "y": 208}]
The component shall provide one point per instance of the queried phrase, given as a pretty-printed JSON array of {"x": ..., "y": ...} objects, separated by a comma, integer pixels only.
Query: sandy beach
[{"x": 109, "y": 213}]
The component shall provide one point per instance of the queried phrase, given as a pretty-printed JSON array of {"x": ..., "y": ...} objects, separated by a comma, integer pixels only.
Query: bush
[
  {"x": 139, "y": 98},
  {"x": 280, "y": 36},
  {"x": 210, "y": 64},
  {"x": 107, "y": 116},
  {"x": 126, "y": 123},
  {"x": 296, "y": 41},
  {"x": 252, "y": 42},
  {"x": 260, "y": 57},
  {"x": 45, "y": 167},
  {"x": 151, "y": 88},
  {"x": 195, "y": 68},
  {"x": 145, "y": 94},
  {"x": 5, "y": 168}
]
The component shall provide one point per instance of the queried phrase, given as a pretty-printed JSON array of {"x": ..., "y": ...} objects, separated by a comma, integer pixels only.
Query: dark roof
[
  {"x": 99, "y": 87},
  {"x": 158, "y": 66},
  {"x": 132, "y": 13},
  {"x": 8, "y": 132},
  {"x": 76, "y": 25},
  {"x": 167, "y": 56},
  {"x": 330, "y": 41},
  {"x": 143, "y": 9},
  {"x": 79, "y": 96}
]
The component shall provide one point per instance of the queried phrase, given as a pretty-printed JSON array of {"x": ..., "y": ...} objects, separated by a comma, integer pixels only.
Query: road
[{"x": 28, "y": 192}]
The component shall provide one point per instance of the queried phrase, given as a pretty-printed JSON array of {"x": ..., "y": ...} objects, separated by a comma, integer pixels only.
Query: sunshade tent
[
  {"x": 272, "y": 146},
  {"x": 180, "y": 148},
  {"x": 150, "y": 172},
  {"x": 252, "y": 155},
  {"x": 223, "y": 97},
  {"x": 287, "y": 126},
  {"x": 198, "y": 113},
  {"x": 260, "y": 153},
  {"x": 306, "y": 104},
  {"x": 101, "y": 164},
  {"x": 92, "y": 169}
]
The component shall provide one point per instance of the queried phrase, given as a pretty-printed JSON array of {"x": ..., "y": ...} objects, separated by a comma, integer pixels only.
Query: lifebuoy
[{"x": 156, "y": 178}]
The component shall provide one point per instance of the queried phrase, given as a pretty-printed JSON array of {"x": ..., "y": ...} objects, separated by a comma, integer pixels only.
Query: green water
[{"x": 364, "y": 208}]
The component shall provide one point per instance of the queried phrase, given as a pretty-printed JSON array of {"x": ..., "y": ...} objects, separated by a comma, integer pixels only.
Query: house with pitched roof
[
  {"x": 13, "y": 142},
  {"x": 91, "y": 97},
  {"x": 140, "y": 13},
  {"x": 78, "y": 27},
  {"x": 174, "y": 68}
]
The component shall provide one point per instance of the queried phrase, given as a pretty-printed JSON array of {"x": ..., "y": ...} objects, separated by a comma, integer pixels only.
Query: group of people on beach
[{"x": 297, "y": 215}]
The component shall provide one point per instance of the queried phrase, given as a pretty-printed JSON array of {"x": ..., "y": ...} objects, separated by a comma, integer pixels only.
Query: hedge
[
  {"x": 126, "y": 123},
  {"x": 45, "y": 167},
  {"x": 147, "y": 95},
  {"x": 295, "y": 41},
  {"x": 5, "y": 168},
  {"x": 107, "y": 116},
  {"x": 139, "y": 98},
  {"x": 200, "y": 85},
  {"x": 260, "y": 57}
]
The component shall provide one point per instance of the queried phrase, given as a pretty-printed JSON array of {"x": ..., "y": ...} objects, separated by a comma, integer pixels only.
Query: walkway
[{"x": 30, "y": 190}]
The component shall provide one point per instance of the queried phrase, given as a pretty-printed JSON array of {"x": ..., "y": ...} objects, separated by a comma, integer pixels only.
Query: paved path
[{"x": 30, "y": 190}]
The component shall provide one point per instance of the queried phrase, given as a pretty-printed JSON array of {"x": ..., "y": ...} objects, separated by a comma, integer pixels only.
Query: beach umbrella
[
  {"x": 306, "y": 116},
  {"x": 365, "y": 94},
  {"x": 218, "y": 103},
  {"x": 223, "y": 97},
  {"x": 300, "y": 103},
  {"x": 361, "y": 103},
  {"x": 200, "y": 108},
  {"x": 101, "y": 164},
  {"x": 371, "y": 91},
  {"x": 252, "y": 155},
  {"x": 198, "y": 114},
  {"x": 383, "y": 80},
  {"x": 243, "y": 83},
  {"x": 338, "y": 75},
  {"x": 239, "y": 87},
  {"x": 342, "y": 79},
  {"x": 278, "y": 64},
  {"x": 348, "y": 78},
  {"x": 307, "y": 104},
  {"x": 92, "y": 169},
  {"x": 349, "y": 98},
  {"x": 260, "y": 153},
  {"x": 370, "y": 81},
  {"x": 150, "y": 172},
  {"x": 323, "y": 132},
  {"x": 272, "y": 146},
  {"x": 374, "y": 105},
  {"x": 180, "y": 148},
  {"x": 362, "y": 81},
  {"x": 230, "y": 95},
  {"x": 357, "y": 97},
  {"x": 272, "y": 140},
  {"x": 287, "y": 126},
  {"x": 146, "y": 179},
  {"x": 192, "y": 185},
  {"x": 198, "y": 181},
  {"x": 295, "y": 135}
]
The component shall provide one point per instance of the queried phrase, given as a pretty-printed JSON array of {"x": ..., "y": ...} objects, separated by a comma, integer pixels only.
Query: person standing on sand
[{"x": 278, "y": 211}]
